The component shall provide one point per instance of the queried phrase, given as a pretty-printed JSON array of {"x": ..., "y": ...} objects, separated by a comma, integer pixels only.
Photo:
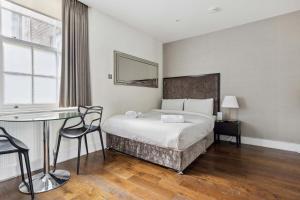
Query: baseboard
[{"x": 287, "y": 146}]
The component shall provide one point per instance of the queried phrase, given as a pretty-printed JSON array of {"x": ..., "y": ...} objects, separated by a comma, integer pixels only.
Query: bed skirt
[{"x": 175, "y": 159}]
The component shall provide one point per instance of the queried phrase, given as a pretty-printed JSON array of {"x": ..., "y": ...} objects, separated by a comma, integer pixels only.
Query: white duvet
[{"x": 149, "y": 128}]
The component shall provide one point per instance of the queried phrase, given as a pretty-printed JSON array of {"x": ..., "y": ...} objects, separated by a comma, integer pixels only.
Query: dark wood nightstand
[{"x": 231, "y": 128}]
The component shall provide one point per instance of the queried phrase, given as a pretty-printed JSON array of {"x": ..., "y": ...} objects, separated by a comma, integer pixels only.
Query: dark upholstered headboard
[{"x": 193, "y": 87}]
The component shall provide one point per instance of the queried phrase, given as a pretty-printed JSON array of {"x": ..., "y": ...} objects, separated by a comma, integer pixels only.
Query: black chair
[
  {"x": 9, "y": 144},
  {"x": 81, "y": 129}
]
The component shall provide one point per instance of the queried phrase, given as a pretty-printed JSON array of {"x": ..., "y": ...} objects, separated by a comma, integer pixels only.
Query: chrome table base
[{"x": 46, "y": 182}]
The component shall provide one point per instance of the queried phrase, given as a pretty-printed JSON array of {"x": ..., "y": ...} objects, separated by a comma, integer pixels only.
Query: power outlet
[{"x": 109, "y": 76}]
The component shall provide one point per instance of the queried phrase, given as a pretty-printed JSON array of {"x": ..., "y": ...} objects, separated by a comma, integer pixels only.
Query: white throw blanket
[{"x": 172, "y": 118}]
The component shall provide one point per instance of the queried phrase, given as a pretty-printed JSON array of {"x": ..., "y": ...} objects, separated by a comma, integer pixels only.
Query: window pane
[
  {"x": 44, "y": 62},
  {"x": 44, "y": 90},
  {"x": 42, "y": 32},
  {"x": 25, "y": 24},
  {"x": 25, "y": 29},
  {"x": 17, "y": 58},
  {"x": 10, "y": 23},
  {"x": 17, "y": 89}
]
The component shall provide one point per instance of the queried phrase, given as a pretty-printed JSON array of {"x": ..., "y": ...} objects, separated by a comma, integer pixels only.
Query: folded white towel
[
  {"x": 133, "y": 114},
  {"x": 172, "y": 118},
  {"x": 140, "y": 114}
]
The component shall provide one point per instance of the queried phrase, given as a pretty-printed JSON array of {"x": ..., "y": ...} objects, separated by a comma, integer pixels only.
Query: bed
[{"x": 173, "y": 145}]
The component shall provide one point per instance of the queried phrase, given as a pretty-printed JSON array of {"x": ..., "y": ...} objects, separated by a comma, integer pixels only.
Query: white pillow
[
  {"x": 172, "y": 104},
  {"x": 205, "y": 106}
]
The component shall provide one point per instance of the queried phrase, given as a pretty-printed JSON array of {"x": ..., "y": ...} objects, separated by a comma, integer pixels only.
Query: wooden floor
[{"x": 224, "y": 172}]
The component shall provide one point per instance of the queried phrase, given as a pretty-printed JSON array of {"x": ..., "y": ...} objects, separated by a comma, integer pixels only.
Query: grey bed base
[{"x": 174, "y": 159}]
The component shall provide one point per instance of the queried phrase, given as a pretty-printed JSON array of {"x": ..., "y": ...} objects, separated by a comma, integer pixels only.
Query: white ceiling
[{"x": 158, "y": 17}]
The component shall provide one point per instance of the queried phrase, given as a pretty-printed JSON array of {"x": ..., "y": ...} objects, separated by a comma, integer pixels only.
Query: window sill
[{"x": 14, "y": 112}]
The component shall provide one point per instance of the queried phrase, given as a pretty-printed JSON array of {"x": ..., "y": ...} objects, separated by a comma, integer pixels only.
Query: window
[{"x": 30, "y": 57}]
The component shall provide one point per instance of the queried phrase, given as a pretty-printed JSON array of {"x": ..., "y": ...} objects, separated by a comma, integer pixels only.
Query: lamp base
[{"x": 232, "y": 115}]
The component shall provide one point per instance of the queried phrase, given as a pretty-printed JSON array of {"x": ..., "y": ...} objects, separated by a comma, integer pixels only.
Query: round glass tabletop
[{"x": 39, "y": 116}]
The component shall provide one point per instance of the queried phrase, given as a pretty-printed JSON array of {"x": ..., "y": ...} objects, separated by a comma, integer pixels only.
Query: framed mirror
[{"x": 131, "y": 70}]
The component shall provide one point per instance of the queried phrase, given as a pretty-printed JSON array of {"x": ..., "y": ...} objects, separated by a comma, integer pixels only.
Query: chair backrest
[
  {"x": 4, "y": 135},
  {"x": 91, "y": 114}
]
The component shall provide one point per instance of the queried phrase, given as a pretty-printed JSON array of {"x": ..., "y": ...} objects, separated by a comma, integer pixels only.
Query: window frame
[{"x": 32, "y": 46}]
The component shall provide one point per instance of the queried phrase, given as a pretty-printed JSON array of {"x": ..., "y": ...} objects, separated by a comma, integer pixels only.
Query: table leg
[{"x": 46, "y": 180}]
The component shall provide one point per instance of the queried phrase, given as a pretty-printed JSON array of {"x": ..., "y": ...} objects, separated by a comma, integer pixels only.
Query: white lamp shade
[{"x": 230, "y": 102}]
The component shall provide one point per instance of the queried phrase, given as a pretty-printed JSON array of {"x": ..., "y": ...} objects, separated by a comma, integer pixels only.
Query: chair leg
[
  {"x": 78, "y": 157},
  {"x": 56, "y": 153},
  {"x": 22, "y": 171},
  {"x": 29, "y": 174},
  {"x": 101, "y": 139},
  {"x": 21, "y": 167},
  {"x": 86, "y": 145}
]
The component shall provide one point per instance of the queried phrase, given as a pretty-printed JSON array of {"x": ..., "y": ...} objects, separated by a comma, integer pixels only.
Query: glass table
[{"x": 46, "y": 180}]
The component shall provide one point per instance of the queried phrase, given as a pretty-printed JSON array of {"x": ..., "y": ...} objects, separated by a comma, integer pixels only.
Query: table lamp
[{"x": 231, "y": 103}]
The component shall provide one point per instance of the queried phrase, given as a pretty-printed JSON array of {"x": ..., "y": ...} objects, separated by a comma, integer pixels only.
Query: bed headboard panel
[{"x": 193, "y": 87}]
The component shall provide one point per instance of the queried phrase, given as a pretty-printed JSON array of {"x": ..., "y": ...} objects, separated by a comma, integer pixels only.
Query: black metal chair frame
[
  {"x": 85, "y": 111},
  {"x": 21, "y": 151}
]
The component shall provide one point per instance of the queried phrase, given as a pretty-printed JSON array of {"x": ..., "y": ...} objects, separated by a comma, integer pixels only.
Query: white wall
[
  {"x": 106, "y": 35},
  {"x": 259, "y": 63}
]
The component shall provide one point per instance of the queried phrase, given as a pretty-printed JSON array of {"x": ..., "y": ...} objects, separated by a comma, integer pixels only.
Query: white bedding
[{"x": 149, "y": 128}]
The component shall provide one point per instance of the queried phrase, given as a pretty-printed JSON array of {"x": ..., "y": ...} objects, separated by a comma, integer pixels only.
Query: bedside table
[{"x": 230, "y": 128}]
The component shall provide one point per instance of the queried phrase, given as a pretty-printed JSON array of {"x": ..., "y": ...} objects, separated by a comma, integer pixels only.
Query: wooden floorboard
[{"x": 224, "y": 172}]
